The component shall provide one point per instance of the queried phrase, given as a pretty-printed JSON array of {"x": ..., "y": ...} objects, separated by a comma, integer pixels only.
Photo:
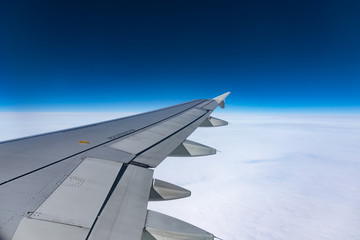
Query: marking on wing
[{"x": 119, "y": 135}]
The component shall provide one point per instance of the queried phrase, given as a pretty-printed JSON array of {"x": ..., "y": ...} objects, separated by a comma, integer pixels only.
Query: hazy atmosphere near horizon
[{"x": 288, "y": 165}]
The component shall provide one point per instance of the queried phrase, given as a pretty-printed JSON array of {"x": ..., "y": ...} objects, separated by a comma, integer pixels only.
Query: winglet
[{"x": 221, "y": 99}]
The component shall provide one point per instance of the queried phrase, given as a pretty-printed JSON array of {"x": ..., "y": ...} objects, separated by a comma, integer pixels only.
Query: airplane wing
[{"x": 95, "y": 181}]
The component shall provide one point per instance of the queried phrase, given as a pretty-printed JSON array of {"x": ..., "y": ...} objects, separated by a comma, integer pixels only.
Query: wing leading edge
[{"x": 99, "y": 188}]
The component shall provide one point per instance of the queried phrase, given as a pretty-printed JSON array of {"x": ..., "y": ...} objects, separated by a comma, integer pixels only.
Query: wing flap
[
  {"x": 140, "y": 141},
  {"x": 101, "y": 199},
  {"x": 69, "y": 212},
  {"x": 124, "y": 213},
  {"x": 89, "y": 183},
  {"x": 156, "y": 154},
  {"x": 43, "y": 230}
]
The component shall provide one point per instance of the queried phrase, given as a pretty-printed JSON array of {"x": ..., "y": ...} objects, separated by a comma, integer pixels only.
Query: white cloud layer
[{"x": 278, "y": 176}]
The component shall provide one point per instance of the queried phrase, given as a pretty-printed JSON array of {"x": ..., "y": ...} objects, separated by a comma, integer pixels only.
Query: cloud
[{"x": 277, "y": 176}]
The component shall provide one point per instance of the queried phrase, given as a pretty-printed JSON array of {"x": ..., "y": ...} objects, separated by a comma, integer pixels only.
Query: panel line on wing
[
  {"x": 170, "y": 135},
  {"x": 146, "y": 157},
  {"x": 106, "y": 142},
  {"x": 116, "y": 182},
  {"x": 142, "y": 141},
  {"x": 125, "y": 212}
]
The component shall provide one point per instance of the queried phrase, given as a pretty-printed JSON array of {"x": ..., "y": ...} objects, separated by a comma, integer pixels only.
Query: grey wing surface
[{"x": 95, "y": 181}]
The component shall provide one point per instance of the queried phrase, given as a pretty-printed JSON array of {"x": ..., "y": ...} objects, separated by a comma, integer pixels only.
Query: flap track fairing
[
  {"x": 161, "y": 190},
  {"x": 192, "y": 149},
  {"x": 213, "y": 122},
  {"x": 161, "y": 226}
]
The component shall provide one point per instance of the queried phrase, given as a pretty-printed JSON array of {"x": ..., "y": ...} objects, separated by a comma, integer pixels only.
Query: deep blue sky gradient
[{"x": 102, "y": 54}]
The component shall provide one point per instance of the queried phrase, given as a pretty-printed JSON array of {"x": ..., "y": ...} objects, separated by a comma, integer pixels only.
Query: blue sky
[{"x": 96, "y": 55}]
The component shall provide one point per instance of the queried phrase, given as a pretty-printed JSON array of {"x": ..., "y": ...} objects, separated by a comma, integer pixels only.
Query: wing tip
[{"x": 221, "y": 99}]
